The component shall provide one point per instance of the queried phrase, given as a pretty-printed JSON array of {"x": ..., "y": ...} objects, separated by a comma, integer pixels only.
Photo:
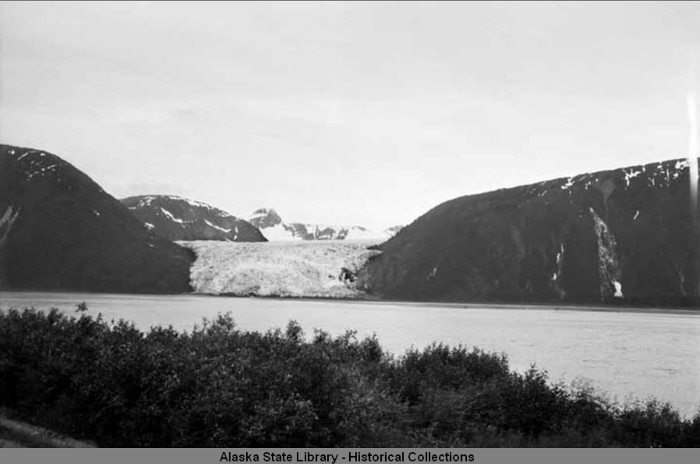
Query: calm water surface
[{"x": 623, "y": 355}]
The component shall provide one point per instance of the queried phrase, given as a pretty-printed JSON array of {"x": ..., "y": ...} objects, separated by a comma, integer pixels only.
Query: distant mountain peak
[
  {"x": 275, "y": 228},
  {"x": 264, "y": 218}
]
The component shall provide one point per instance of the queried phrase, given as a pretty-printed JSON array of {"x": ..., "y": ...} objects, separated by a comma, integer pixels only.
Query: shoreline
[
  {"x": 688, "y": 311},
  {"x": 477, "y": 305}
]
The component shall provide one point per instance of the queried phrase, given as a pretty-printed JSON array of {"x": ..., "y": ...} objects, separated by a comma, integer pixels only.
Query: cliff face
[
  {"x": 612, "y": 236},
  {"x": 59, "y": 230}
]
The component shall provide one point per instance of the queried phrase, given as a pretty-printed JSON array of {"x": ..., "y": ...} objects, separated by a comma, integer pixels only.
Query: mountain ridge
[
  {"x": 176, "y": 218},
  {"x": 622, "y": 235}
]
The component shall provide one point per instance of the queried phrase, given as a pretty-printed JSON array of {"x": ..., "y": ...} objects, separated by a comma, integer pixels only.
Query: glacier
[{"x": 320, "y": 269}]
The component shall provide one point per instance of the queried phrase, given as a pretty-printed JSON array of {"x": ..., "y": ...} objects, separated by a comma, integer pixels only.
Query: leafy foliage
[{"x": 220, "y": 386}]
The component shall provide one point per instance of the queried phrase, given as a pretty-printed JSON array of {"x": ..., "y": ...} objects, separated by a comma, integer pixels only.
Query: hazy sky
[{"x": 348, "y": 113}]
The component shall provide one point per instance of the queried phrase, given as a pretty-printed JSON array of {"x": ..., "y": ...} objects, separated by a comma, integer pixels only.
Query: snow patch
[
  {"x": 618, "y": 289},
  {"x": 556, "y": 276},
  {"x": 682, "y": 164},
  {"x": 261, "y": 213},
  {"x": 569, "y": 183},
  {"x": 560, "y": 255},
  {"x": 149, "y": 226},
  {"x": 196, "y": 204},
  {"x": 432, "y": 273},
  {"x": 169, "y": 215},
  {"x": 145, "y": 202},
  {"x": 36, "y": 167},
  {"x": 8, "y": 217},
  {"x": 214, "y": 226},
  {"x": 6, "y": 221},
  {"x": 630, "y": 175}
]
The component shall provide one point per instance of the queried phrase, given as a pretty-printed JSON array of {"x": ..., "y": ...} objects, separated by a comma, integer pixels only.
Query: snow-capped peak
[
  {"x": 265, "y": 218},
  {"x": 275, "y": 229}
]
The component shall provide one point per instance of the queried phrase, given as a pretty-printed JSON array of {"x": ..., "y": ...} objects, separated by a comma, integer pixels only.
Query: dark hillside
[
  {"x": 613, "y": 236},
  {"x": 59, "y": 230}
]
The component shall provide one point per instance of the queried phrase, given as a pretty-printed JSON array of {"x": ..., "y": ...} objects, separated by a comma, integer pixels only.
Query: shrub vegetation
[{"x": 220, "y": 386}]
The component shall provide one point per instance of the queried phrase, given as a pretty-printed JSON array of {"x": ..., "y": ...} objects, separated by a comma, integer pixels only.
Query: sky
[{"x": 345, "y": 113}]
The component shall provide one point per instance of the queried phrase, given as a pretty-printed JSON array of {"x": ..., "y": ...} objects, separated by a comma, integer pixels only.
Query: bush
[{"x": 219, "y": 386}]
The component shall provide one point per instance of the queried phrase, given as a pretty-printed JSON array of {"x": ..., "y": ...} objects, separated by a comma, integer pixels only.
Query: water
[{"x": 623, "y": 355}]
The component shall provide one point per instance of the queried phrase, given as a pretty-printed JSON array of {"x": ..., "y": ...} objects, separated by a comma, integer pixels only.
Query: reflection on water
[{"x": 624, "y": 355}]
